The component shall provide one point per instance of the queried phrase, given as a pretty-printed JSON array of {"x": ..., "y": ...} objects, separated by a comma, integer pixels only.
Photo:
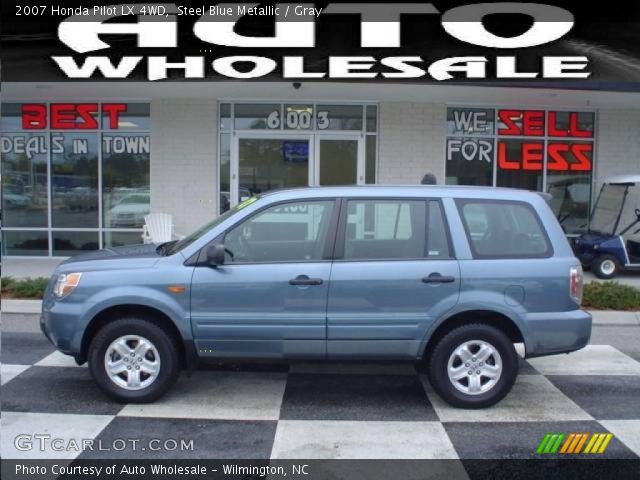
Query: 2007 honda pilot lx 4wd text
[{"x": 448, "y": 276}]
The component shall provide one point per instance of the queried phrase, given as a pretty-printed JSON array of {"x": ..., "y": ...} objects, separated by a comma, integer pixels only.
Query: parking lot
[{"x": 314, "y": 410}]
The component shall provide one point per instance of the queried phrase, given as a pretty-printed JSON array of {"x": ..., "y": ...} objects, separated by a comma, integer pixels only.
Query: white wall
[
  {"x": 184, "y": 172},
  {"x": 412, "y": 141}
]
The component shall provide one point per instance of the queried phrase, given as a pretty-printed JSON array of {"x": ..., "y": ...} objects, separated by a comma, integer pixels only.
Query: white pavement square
[
  {"x": 591, "y": 360},
  {"x": 361, "y": 440},
  {"x": 57, "y": 359},
  {"x": 219, "y": 395},
  {"x": 627, "y": 431},
  {"x": 532, "y": 399},
  {"x": 9, "y": 372},
  {"x": 65, "y": 432}
]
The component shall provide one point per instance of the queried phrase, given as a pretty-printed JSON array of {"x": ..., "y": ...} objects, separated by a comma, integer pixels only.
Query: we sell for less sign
[{"x": 521, "y": 139}]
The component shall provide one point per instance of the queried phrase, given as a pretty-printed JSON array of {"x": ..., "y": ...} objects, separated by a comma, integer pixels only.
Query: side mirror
[{"x": 216, "y": 255}]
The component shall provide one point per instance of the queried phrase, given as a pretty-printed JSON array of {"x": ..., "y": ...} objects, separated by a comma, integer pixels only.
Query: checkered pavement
[{"x": 315, "y": 410}]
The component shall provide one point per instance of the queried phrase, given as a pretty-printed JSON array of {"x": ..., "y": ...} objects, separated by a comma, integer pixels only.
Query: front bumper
[
  {"x": 554, "y": 333},
  {"x": 58, "y": 323}
]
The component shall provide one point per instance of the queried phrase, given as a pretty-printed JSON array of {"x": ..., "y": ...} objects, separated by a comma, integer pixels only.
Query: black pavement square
[
  {"x": 162, "y": 438},
  {"x": 356, "y": 397},
  {"x": 520, "y": 440},
  {"x": 56, "y": 390},
  {"x": 19, "y": 348},
  {"x": 615, "y": 397}
]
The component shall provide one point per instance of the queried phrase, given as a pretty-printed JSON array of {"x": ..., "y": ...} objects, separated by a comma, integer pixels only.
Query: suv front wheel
[
  {"x": 473, "y": 366},
  {"x": 133, "y": 360}
]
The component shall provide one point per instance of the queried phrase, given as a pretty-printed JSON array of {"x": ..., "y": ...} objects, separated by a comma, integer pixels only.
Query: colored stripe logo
[{"x": 574, "y": 443}]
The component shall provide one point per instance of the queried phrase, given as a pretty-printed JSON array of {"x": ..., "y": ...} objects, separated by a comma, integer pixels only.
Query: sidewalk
[{"x": 600, "y": 317}]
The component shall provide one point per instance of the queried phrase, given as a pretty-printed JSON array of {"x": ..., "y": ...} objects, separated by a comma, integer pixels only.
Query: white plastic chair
[{"x": 158, "y": 228}]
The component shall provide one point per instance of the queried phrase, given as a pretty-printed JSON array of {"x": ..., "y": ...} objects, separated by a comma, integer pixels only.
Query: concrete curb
[
  {"x": 600, "y": 317},
  {"x": 611, "y": 317},
  {"x": 21, "y": 306}
]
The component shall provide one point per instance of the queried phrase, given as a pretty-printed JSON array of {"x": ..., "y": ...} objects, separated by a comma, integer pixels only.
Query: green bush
[
  {"x": 610, "y": 296},
  {"x": 26, "y": 288}
]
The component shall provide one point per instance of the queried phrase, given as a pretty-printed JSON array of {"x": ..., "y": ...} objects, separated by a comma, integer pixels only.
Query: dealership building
[{"x": 83, "y": 163}]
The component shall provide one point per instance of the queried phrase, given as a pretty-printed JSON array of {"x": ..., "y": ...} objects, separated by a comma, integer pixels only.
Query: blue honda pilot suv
[{"x": 451, "y": 277}]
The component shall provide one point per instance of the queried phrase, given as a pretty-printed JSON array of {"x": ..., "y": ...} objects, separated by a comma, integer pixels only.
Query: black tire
[
  {"x": 439, "y": 361},
  {"x": 166, "y": 347},
  {"x": 601, "y": 262}
]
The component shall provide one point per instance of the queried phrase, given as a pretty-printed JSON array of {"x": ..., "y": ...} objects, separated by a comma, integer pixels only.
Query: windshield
[
  {"x": 608, "y": 208},
  {"x": 188, "y": 240}
]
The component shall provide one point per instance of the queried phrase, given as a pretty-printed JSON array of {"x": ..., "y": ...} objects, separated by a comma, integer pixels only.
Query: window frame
[
  {"x": 340, "y": 241},
  {"x": 462, "y": 202},
  {"x": 329, "y": 240}
]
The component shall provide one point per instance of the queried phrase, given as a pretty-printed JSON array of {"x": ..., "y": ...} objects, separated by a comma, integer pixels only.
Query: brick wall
[
  {"x": 184, "y": 161},
  {"x": 412, "y": 141}
]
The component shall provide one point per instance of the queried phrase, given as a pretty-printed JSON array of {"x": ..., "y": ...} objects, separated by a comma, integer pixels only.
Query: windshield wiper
[{"x": 164, "y": 249}]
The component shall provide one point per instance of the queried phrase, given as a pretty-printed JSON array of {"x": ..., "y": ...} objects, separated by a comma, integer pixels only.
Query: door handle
[
  {"x": 437, "y": 278},
  {"x": 303, "y": 280}
]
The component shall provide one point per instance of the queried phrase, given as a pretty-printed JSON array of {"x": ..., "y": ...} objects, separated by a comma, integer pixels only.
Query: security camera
[{"x": 297, "y": 85}]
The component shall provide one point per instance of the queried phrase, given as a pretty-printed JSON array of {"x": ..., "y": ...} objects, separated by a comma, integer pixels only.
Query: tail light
[{"x": 575, "y": 284}]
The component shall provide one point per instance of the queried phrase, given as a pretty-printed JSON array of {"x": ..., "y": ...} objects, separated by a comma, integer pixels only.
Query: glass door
[
  {"x": 269, "y": 162},
  {"x": 339, "y": 160}
]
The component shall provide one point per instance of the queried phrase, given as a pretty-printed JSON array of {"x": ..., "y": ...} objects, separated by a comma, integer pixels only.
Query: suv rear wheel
[
  {"x": 473, "y": 366},
  {"x": 133, "y": 360}
]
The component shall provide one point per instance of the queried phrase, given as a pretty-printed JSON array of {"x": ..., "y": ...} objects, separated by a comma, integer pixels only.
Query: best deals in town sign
[{"x": 522, "y": 139}]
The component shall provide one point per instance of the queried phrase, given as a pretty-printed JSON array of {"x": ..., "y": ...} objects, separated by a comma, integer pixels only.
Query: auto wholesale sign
[
  {"x": 521, "y": 139},
  {"x": 89, "y": 51}
]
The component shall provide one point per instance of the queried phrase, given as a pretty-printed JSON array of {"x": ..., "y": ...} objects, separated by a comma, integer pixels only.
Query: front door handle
[
  {"x": 303, "y": 280},
  {"x": 437, "y": 278}
]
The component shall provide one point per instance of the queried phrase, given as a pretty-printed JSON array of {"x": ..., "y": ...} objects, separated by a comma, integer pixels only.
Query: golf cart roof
[{"x": 623, "y": 179}]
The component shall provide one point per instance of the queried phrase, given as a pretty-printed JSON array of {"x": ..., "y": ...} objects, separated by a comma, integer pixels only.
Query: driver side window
[{"x": 288, "y": 232}]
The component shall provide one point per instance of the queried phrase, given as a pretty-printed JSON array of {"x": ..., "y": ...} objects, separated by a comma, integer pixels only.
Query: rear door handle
[
  {"x": 437, "y": 278},
  {"x": 303, "y": 280}
]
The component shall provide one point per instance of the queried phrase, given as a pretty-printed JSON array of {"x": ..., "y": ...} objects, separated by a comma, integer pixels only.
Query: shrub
[
  {"x": 610, "y": 296},
  {"x": 32, "y": 288}
]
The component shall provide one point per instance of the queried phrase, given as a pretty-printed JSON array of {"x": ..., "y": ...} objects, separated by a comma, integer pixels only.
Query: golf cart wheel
[{"x": 605, "y": 267}]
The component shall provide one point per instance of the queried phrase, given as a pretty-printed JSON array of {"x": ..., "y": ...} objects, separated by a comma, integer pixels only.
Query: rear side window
[
  {"x": 503, "y": 229},
  {"x": 389, "y": 229}
]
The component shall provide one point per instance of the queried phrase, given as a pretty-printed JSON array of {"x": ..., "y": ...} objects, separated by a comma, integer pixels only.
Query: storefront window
[
  {"x": 66, "y": 244},
  {"x": 74, "y": 180},
  {"x": 298, "y": 117},
  {"x": 372, "y": 119},
  {"x": 125, "y": 179},
  {"x": 24, "y": 180},
  {"x": 258, "y": 116},
  {"x": 543, "y": 150},
  {"x": 371, "y": 155},
  {"x": 125, "y": 116},
  {"x": 339, "y": 117},
  {"x": 470, "y": 161},
  {"x": 67, "y": 141},
  {"x": 25, "y": 243},
  {"x": 225, "y": 172}
]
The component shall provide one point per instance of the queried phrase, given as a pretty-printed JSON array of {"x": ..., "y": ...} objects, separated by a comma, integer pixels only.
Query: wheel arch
[
  {"x": 186, "y": 348},
  {"x": 487, "y": 317}
]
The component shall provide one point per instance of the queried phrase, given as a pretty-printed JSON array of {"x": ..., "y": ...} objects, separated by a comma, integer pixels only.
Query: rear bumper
[{"x": 554, "y": 333}]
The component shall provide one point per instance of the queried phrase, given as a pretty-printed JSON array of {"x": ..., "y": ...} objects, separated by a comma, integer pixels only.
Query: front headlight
[{"x": 66, "y": 283}]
